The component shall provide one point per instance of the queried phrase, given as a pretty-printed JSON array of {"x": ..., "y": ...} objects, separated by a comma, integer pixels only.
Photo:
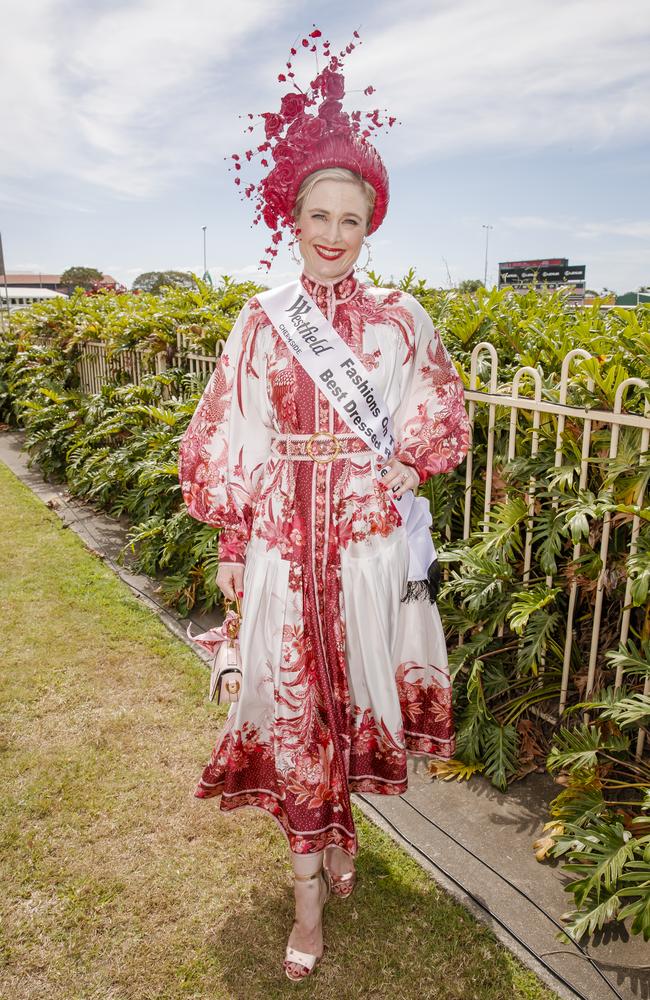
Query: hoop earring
[
  {"x": 296, "y": 260},
  {"x": 367, "y": 246}
]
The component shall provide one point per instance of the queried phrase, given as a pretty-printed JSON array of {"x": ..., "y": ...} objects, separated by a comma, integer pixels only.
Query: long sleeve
[
  {"x": 431, "y": 423},
  {"x": 224, "y": 449}
]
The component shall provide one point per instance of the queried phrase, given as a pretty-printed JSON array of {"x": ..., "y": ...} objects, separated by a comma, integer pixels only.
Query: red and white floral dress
[{"x": 341, "y": 677}]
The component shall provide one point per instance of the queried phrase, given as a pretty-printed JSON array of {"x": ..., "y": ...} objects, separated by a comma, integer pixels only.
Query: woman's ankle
[{"x": 337, "y": 860}]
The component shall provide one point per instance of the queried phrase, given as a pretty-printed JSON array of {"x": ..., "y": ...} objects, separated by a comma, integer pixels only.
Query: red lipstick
[{"x": 328, "y": 253}]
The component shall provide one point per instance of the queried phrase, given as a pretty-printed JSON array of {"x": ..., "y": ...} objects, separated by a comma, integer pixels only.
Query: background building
[
  {"x": 20, "y": 296},
  {"x": 53, "y": 282}
]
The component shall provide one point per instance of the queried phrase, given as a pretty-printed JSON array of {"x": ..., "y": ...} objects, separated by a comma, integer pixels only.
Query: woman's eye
[
  {"x": 353, "y": 221},
  {"x": 318, "y": 215}
]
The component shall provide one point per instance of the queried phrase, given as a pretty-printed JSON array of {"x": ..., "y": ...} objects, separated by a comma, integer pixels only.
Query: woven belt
[{"x": 319, "y": 447}]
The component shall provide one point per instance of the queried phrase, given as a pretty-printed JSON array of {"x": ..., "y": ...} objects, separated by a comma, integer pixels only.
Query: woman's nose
[{"x": 333, "y": 231}]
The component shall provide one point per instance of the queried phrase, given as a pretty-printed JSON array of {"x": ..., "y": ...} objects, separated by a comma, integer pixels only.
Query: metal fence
[
  {"x": 96, "y": 367},
  {"x": 586, "y": 419}
]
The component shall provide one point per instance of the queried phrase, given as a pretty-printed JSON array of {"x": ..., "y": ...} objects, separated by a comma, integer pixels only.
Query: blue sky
[{"x": 530, "y": 117}]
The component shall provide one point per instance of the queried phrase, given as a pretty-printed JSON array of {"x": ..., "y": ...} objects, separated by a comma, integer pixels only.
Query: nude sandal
[
  {"x": 304, "y": 959},
  {"x": 343, "y": 885}
]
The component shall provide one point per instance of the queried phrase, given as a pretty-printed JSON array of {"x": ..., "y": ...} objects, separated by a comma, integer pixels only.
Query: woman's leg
[{"x": 307, "y": 931}]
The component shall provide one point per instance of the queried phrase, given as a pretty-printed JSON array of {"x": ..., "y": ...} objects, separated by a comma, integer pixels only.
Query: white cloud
[
  {"x": 124, "y": 97},
  {"x": 580, "y": 228},
  {"x": 480, "y": 74},
  {"x": 131, "y": 97}
]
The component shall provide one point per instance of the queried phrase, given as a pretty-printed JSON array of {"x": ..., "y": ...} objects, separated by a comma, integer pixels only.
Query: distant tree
[
  {"x": 80, "y": 277},
  {"x": 155, "y": 281},
  {"x": 470, "y": 285}
]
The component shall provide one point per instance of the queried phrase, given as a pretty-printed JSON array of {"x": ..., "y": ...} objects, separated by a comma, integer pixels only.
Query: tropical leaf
[
  {"x": 454, "y": 770},
  {"x": 578, "y": 804},
  {"x": 503, "y": 535},
  {"x": 544, "y": 845},
  {"x": 631, "y": 710},
  {"x": 638, "y": 569},
  {"x": 540, "y": 639},
  {"x": 526, "y": 602},
  {"x": 500, "y": 753},
  {"x": 630, "y": 658},
  {"x": 590, "y": 919},
  {"x": 549, "y": 534},
  {"x": 599, "y": 854},
  {"x": 578, "y": 749},
  {"x": 636, "y": 884},
  {"x": 470, "y": 650}
]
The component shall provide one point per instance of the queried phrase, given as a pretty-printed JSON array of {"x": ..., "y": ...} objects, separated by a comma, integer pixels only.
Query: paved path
[{"x": 472, "y": 838}]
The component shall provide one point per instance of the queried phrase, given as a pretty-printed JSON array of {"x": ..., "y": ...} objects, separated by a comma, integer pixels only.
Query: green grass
[{"x": 117, "y": 884}]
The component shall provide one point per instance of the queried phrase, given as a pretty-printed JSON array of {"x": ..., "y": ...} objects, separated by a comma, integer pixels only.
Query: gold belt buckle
[{"x": 323, "y": 458}]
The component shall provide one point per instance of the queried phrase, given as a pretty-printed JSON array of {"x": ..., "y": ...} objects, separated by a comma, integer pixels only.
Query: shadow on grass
[{"x": 417, "y": 949}]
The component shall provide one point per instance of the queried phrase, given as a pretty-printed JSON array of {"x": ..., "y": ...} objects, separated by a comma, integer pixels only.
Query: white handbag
[{"x": 226, "y": 671}]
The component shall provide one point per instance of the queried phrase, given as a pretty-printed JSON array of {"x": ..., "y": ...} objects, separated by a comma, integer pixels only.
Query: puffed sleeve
[
  {"x": 431, "y": 423},
  {"x": 224, "y": 449}
]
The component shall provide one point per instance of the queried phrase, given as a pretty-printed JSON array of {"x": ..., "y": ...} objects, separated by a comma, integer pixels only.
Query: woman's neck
[{"x": 328, "y": 282}]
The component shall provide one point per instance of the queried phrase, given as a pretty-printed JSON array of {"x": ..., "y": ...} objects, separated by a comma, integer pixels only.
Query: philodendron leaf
[
  {"x": 578, "y": 749},
  {"x": 587, "y": 921},
  {"x": 500, "y": 753},
  {"x": 454, "y": 770},
  {"x": 526, "y": 602}
]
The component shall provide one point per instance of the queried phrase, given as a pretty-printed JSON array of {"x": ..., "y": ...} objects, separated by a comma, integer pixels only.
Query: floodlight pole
[
  {"x": 4, "y": 275},
  {"x": 487, "y": 237},
  {"x": 205, "y": 257}
]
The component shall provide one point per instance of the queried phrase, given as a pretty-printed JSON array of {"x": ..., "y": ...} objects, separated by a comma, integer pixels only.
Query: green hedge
[{"x": 118, "y": 449}]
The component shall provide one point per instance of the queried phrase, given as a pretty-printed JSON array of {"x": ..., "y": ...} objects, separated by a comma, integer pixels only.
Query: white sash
[{"x": 348, "y": 386}]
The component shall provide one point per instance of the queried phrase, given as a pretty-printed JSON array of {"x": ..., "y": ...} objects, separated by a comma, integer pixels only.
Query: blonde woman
[{"x": 344, "y": 659}]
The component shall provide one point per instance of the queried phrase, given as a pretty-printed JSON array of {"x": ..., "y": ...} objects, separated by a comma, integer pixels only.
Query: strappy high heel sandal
[
  {"x": 303, "y": 959},
  {"x": 342, "y": 885}
]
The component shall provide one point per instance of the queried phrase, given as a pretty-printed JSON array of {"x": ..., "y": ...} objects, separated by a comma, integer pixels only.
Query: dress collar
[{"x": 339, "y": 291}]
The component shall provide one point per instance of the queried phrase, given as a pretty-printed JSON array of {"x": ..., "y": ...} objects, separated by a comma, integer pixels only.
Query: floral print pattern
[{"x": 341, "y": 678}]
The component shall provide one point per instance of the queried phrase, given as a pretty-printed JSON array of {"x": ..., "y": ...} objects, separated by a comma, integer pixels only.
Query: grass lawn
[{"x": 116, "y": 881}]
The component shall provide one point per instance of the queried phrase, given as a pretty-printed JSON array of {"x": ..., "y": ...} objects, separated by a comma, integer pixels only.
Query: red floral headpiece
[{"x": 300, "y": 143}]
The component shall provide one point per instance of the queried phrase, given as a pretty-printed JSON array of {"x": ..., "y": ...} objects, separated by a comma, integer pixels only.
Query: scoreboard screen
[{"x": 551, "y": 273}]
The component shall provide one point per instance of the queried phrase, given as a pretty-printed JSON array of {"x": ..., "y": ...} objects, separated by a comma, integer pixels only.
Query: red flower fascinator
[{"x": 309, "y": 132}]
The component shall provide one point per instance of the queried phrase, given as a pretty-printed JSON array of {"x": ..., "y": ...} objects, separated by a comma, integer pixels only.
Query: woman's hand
[
  {"x": 398, "y": 477},
  {"x": 230, "y": 580}
]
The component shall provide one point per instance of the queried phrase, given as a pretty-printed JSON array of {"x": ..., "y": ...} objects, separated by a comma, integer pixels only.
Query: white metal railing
[
  {"x": 95, "y": 367},
  {"x": 193, "y": 361},
  {"x": 98, "y": 365},
  {"x": 616, "y": 419}
]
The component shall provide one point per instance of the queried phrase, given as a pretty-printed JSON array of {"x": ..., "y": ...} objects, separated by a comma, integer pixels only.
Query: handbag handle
[
  {"x": 231, "y": 627},
  {"x": 229, "y": 600}
]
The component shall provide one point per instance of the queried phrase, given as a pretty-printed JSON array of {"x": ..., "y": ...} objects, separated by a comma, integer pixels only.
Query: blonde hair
[{"x": 334, "y": 174}]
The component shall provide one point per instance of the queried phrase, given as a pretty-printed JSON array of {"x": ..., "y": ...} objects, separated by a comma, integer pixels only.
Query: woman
[{"x": 342, "y": 676}]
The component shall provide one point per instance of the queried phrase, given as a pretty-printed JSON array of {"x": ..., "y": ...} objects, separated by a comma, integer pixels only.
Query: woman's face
[{"x": 331, "y": 227}]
